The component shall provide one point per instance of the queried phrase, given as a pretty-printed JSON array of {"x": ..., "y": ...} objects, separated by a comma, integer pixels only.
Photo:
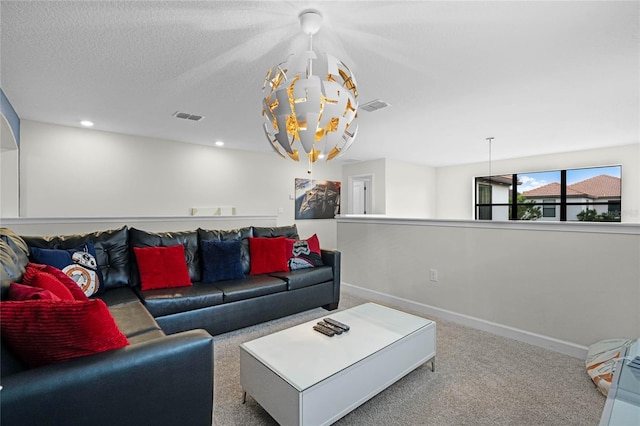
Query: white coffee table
[{"x": 302, "y": 377}]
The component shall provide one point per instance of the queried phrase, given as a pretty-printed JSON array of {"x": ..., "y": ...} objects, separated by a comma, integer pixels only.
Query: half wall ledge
[
  {"x": 71, "y": 225},
  {"x": 589, "y": 227}
]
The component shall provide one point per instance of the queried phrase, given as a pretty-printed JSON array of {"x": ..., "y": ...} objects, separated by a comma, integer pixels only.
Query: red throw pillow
[
  {"x": 268, "y": 255},
  {"x": 42, "y": 332},
  {"x": 52, "y": 279},
  {"x": 304, "y": 253},
  {"x": 162, "y": 267},
  {"x": 27, "y": 292},
  {"x": 314, "y": 243}
]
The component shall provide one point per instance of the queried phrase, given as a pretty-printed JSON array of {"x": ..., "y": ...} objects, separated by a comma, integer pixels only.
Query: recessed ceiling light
[
  {"x": 219, "y": 143},
  {"x": 87, "y": 123}
]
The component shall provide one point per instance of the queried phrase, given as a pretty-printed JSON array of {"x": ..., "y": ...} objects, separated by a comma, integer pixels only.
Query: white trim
[
  {"x": 556, "y": 345},
  {"x": 13, "y": 135},
  {"x": 586, "y": 227},
  {"x": 75, "y": 220}
]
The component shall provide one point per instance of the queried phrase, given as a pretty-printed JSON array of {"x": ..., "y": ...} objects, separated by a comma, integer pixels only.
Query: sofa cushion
[
  {"x": 268, "y": 255},
  {"x": 42, "y": 332},
  {"x": 241, "y": 234},
  {"x": 112, "y": 252},
  {"x": 250, "y": 286},
  {"x": 221, "y": 260},
  {"x": 78, "y": 263},
  {"x": 277, "y": 231},
  {"x": 189, "y": 239},
  {"x": 134, "y": 320},
  {"x": 162, "y": 267},
  {"x": 119, "y": 296},
  {"x": 169, "y": 301},
  {"x": 305, "y": 277}
]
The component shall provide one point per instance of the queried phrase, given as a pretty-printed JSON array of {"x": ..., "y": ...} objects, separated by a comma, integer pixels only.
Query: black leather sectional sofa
[{"x": 165, "y": 376}]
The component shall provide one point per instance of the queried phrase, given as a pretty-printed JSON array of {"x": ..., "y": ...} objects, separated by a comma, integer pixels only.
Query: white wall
[
  {"x": 563, "y": 286},
  {"x": 8, "y": 170},
  {"x": 70, "y": 172},
  {"x": 73, "y": 172},
  {"x": 403, "y": 189},
  {"x": 9, "y": 183},
  {"x": 400, "y": 188},
  {"x": 410, "y": 190},
  {"x": 458, "y": 180},
  {"x": 74, "y": 225},
  {"x": 377, "y": 191}
]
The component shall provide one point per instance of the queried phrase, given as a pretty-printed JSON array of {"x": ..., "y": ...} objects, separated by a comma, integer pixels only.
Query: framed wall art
[{"x": 317, "y": 199}]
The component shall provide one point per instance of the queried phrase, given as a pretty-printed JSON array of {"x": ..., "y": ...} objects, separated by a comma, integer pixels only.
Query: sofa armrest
[
  {"x": 333, "y": 258},
  {"x": 165, "y": 381}
]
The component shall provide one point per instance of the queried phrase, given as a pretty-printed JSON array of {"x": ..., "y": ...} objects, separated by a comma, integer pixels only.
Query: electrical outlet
[{"x": 433, "y": 275}]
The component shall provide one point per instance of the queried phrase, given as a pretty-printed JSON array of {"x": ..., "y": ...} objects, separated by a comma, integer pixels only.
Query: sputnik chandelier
[{"x": 316, "y": 111}]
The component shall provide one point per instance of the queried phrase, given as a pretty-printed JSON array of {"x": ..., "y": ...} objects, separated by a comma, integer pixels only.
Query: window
[
  {"x": 492, "y": 198},
  {"x": 590, "y": 194},
  {"x": 549, "y": 207},
  {"x": 484, "y": 200},
  {"x": 613, "y": 208}
]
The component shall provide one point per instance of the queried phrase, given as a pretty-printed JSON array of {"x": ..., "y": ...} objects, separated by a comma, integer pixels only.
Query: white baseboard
[{"x": 546, "y": 342}]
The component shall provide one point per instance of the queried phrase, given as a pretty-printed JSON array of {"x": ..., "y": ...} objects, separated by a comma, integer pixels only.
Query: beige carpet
[{"x": 480, "y": 379}]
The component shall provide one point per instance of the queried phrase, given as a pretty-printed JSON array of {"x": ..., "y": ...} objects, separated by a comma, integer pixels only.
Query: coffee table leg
[
  {"x": 244, "y": 397},
  {"x": 433, "y": 365}
]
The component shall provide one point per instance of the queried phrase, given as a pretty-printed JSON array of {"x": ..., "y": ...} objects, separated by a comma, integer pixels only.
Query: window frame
[
  {"x": 483, "y": 207},
  {"x": 545, "y": 203}
]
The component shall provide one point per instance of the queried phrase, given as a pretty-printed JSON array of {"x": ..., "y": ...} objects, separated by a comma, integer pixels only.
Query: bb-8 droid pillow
[{"x": 79, "y": 264}]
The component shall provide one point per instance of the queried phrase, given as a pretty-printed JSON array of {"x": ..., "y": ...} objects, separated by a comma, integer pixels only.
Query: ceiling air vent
[
  {"x": 374, "y": 105},
  {"x": 187, "y": 116}
]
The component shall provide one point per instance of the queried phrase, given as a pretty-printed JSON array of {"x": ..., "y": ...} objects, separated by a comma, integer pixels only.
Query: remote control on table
[
  {"x": 333, "y": 328},
  {"x": 336, "y": 323},
  {"x": 326, "y": 326},
  {"x": 324, "y": 330}
]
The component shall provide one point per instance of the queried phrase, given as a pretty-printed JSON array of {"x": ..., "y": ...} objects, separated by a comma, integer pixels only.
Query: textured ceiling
[{"x": 540, "y": 77}]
